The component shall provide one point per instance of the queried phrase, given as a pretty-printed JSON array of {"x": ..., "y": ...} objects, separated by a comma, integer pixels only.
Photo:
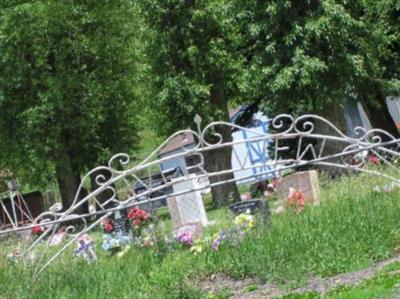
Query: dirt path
[{"x": 242, "y": 288}]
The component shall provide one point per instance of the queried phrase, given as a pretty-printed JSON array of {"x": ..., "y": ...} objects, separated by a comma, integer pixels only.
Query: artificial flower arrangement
[
  {"x": 85, "y": 248},
  {"x": 107, "y": 225},
  {"x": 296, "y": 200},
  {"x": 37, "y": 230},
  {"x": 185, "y": 238},
  {"x": 115, "y": 242},
  {"x": 243, "y": 225},
  {"x": 140, "y": 218},
  {"x": 244, "y": 221},
  {"x": 148, "y": 235},
  {"x": 156, "y": 238},
  {"x": 373, "y": 159}
]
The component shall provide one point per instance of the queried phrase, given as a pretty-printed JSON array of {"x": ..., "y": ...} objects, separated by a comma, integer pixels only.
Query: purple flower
[
  {"x": 185, "y": 238},
  {"x": 215, "y": 244},
  {"x": 82, "y": 246}
]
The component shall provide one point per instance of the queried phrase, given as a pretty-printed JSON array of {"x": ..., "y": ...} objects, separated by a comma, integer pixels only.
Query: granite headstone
[{"x": 305, "y": 181}]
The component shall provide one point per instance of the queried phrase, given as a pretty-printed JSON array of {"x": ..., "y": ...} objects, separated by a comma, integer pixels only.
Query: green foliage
[
  {"x": 384, "y": 17},
  {"x": 66, "y": 84},
  {"x": 195, "y": 67},
  {"x": 287, "y": 56},
  {"x": 305, "y": 54}
]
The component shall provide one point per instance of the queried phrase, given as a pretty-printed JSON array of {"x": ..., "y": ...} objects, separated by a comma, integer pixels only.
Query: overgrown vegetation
[
  {"x": 352, "y": 228},
  {"x": 67, "y": 90}
]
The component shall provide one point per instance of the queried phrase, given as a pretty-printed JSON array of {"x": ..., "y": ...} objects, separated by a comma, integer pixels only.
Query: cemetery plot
[
  {"x": 304, "y": 181},
  {"x": 188, "y": 207},
  {"x": 185, "y": 200}
]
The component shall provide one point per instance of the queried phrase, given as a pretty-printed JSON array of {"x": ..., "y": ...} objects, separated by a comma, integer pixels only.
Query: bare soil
[{"x": 250, "y": 288}]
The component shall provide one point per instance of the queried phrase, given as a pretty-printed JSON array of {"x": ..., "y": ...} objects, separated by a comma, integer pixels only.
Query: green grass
[
  {"x": 351, "y": 229},
  {"x": 382, "y": 285}
]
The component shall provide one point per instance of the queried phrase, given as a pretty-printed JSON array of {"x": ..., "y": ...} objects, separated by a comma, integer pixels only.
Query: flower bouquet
[
  {"x": 140, "y": 219},
  {"x": 115, "y": 242},
  {"x": 85, "y": 248},
  {"x": 296, "y": 200},
  {"x": 37, "y": 230}
]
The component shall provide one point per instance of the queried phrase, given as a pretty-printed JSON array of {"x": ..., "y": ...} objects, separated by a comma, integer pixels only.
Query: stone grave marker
[
  {"x": 252, "y": 206},
  {"x": 186, "y": 208},
  {"x": 243, "y": 206},
  {"x": 121, "y": 222},
  {"x": 304, "y": 181}
]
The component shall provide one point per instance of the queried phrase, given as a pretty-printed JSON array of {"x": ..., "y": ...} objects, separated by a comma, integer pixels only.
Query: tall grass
[
  {"x": 350, "y": 229},
  {"x": 342, "y": 234}
]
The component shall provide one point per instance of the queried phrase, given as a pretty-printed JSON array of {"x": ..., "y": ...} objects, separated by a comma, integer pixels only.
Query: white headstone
[{"x": 186, "y": 208}]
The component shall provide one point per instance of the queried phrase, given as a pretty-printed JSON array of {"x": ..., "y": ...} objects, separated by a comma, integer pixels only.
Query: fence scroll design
[{"x": 308, "y": 140}]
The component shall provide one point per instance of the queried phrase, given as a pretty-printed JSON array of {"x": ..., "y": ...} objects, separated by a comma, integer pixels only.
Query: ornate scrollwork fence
[{"x": 291, "y": 143}]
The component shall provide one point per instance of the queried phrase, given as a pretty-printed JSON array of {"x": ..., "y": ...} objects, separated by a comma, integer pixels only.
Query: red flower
[
  {"x": 37, "y": 230},
  {"x": 142, "y": 214},
  {"x": 132, "y": 213},
  {"x": 296, "y": 198},
  {"x": 138, "y": 216},
  {"x": 107, "y": 225}
]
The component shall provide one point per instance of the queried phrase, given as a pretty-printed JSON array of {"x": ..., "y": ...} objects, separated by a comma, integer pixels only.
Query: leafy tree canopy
[
  {"x": 304, "y": 54},
  {"x": 195, "y": 66},
  {"x": 66, "y": 85}
]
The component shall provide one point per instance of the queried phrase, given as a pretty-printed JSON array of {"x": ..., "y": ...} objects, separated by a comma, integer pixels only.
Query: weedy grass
[
  {"x": 384, "y": 284},
  {"x": 351, "y": 229}
]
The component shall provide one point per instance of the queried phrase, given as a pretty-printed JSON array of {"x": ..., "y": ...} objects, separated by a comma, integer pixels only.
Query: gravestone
[
  {"x": 186, "y": 208},
  {"x": 244, "y": 206},
  {"x": 121, "y": 222},
  {"x": 251, "y": 206},
  {"x": 305, "y": 181}
]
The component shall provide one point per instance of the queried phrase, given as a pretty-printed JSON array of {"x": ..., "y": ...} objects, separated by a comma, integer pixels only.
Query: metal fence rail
[{"x": 290, "y": 143}]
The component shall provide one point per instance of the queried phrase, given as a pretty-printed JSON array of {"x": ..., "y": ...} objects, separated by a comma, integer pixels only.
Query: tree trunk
[
  {"x": 221, "y": 159},
  {"x": 217, "y": 160},
  {"x": 68, "y": 181}
]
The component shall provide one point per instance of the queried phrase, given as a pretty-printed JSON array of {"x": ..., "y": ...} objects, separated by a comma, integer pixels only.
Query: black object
[
  {"x": 156, "y": 181},
  {"x": 242, "y": 206},
  {"x": 253, "y": 206},
  {"x": 34, "y": 202},
  {"x": 121, "y": 222},
  {"x": 244, "y": 117}
]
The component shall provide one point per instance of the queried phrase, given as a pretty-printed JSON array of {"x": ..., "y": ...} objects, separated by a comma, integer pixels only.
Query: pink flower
[
  {"x": 215, "y": 244},
  {"x": 107, "y": 225},
  {"x": 185, "y": 238},
  {"x": 374, "y": 159}
]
